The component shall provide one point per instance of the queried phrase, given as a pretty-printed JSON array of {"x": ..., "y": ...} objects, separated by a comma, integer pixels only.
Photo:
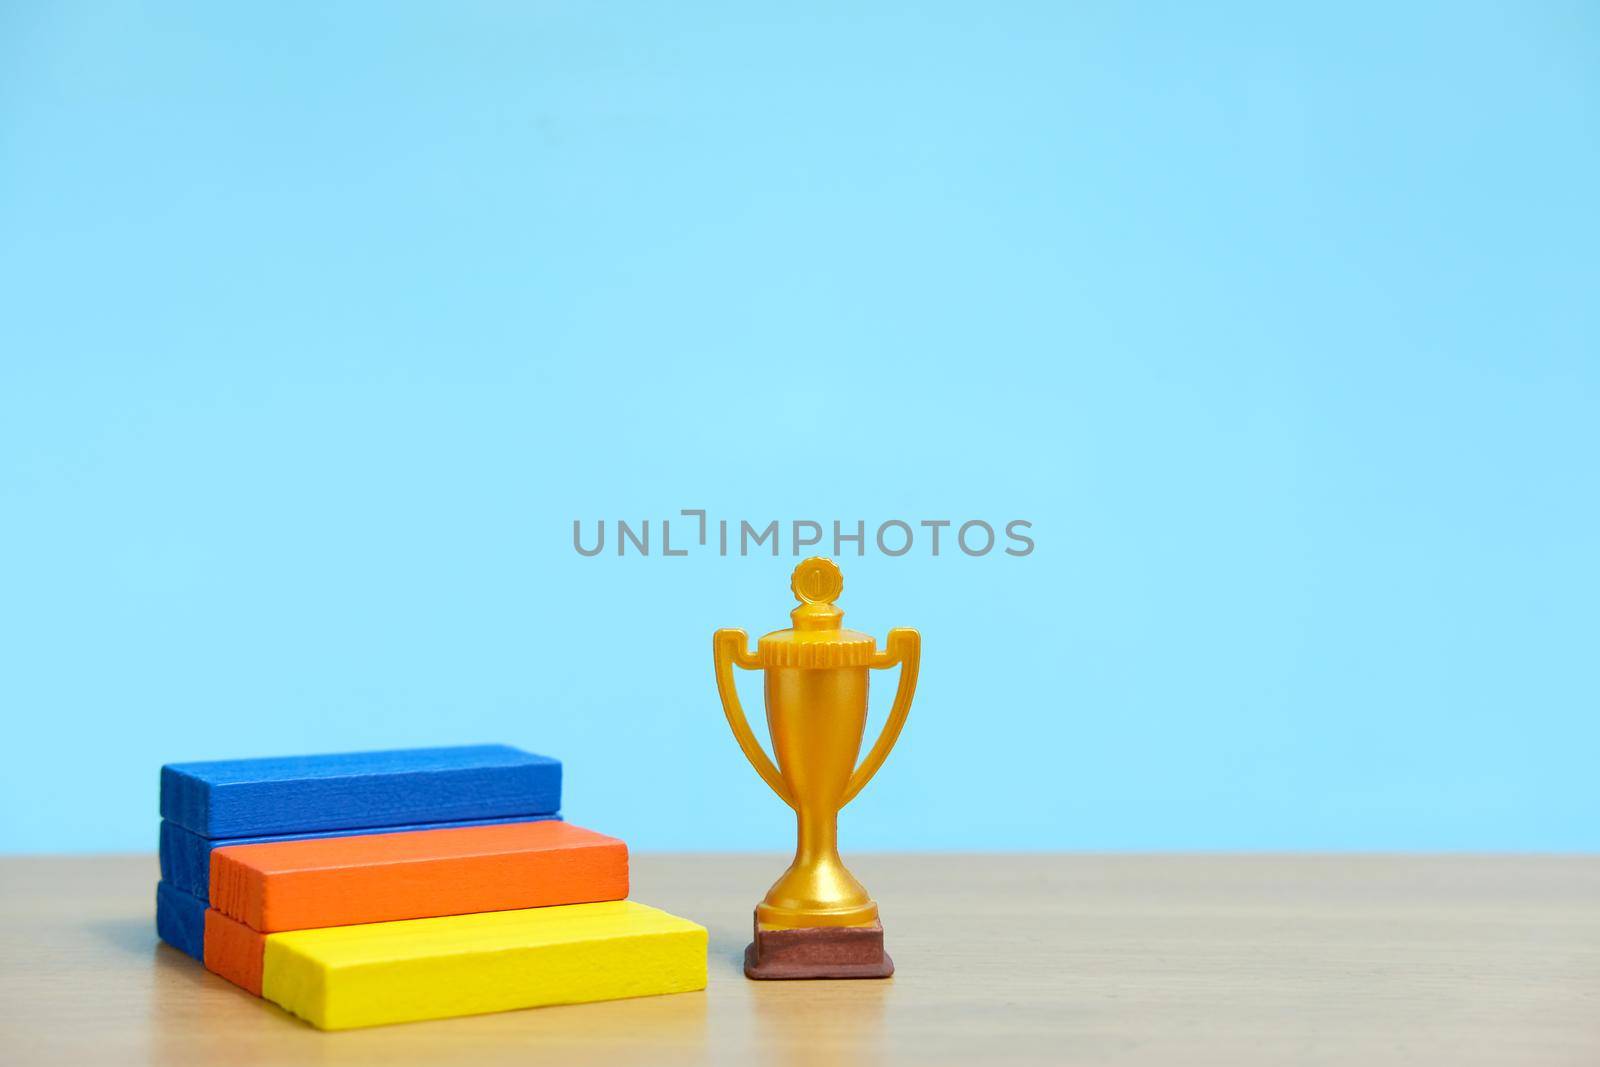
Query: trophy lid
[{"x": 816, "y": 639}]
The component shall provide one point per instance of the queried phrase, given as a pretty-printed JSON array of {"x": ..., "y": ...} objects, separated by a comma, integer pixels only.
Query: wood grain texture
[
  {"x": 344, "y": 791},
  {"x": 340, "y": 881},
  {"x": 338, "y": 978},
  {"x": 234, "y": 951},
  {"x": 180, "y": 920},
  {"x": 1228, "y": 961},
  {"x": 186, "y": 856}
]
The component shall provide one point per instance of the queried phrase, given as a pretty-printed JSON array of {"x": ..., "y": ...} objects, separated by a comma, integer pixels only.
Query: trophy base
[{"x": 817, "y": 952}]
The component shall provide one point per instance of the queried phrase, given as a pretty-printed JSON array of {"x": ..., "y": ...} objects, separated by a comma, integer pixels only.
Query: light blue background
[{"x": 323, "y": 322}]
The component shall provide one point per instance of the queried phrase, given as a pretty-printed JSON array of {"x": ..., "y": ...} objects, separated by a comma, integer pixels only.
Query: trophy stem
[
  {"x": 817, "y": 839},
  {"x": 817, "y": 889}
]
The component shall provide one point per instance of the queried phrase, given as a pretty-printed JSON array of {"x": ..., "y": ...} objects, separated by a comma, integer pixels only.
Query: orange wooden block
[
  {"x": 234, "y": 951},
  {"x": 340, "y": 881}
]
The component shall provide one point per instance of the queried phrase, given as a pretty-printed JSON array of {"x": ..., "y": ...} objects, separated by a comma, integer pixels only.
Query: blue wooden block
[
  {"x": 181, "y": 920},
  {"x": 356, "y": 790},
  {"x": 186, "y": 856}
]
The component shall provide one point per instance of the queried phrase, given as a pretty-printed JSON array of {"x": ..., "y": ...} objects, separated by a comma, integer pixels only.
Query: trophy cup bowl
[{"x": 817, "y": 920}]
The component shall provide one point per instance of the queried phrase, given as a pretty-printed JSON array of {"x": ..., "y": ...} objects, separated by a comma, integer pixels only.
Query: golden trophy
[{"x": 817, "y": 921}]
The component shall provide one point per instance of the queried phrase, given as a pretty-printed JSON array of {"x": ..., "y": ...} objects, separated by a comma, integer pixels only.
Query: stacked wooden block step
[{"x": 453, "y": 889}]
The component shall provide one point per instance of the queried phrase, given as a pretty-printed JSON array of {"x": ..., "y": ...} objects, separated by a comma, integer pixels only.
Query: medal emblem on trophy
[{"x": 817, "y": 920}]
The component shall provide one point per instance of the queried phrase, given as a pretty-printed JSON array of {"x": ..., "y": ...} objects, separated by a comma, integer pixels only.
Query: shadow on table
[
  {"x": 135, "y": 935},
  {"x": 725, "y": 954}
]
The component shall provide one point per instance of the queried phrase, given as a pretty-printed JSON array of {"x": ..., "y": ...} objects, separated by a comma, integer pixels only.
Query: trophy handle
[
  {"x": 904, "y": 647},
  {"x": 728, "y": 650}
]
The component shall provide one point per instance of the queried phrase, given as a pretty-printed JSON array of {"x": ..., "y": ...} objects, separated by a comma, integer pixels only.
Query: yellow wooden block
[{"x": 346, "y": 976}]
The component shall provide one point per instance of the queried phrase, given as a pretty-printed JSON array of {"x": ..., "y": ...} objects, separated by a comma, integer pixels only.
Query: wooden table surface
[{"x": 1002, "y": 959}]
